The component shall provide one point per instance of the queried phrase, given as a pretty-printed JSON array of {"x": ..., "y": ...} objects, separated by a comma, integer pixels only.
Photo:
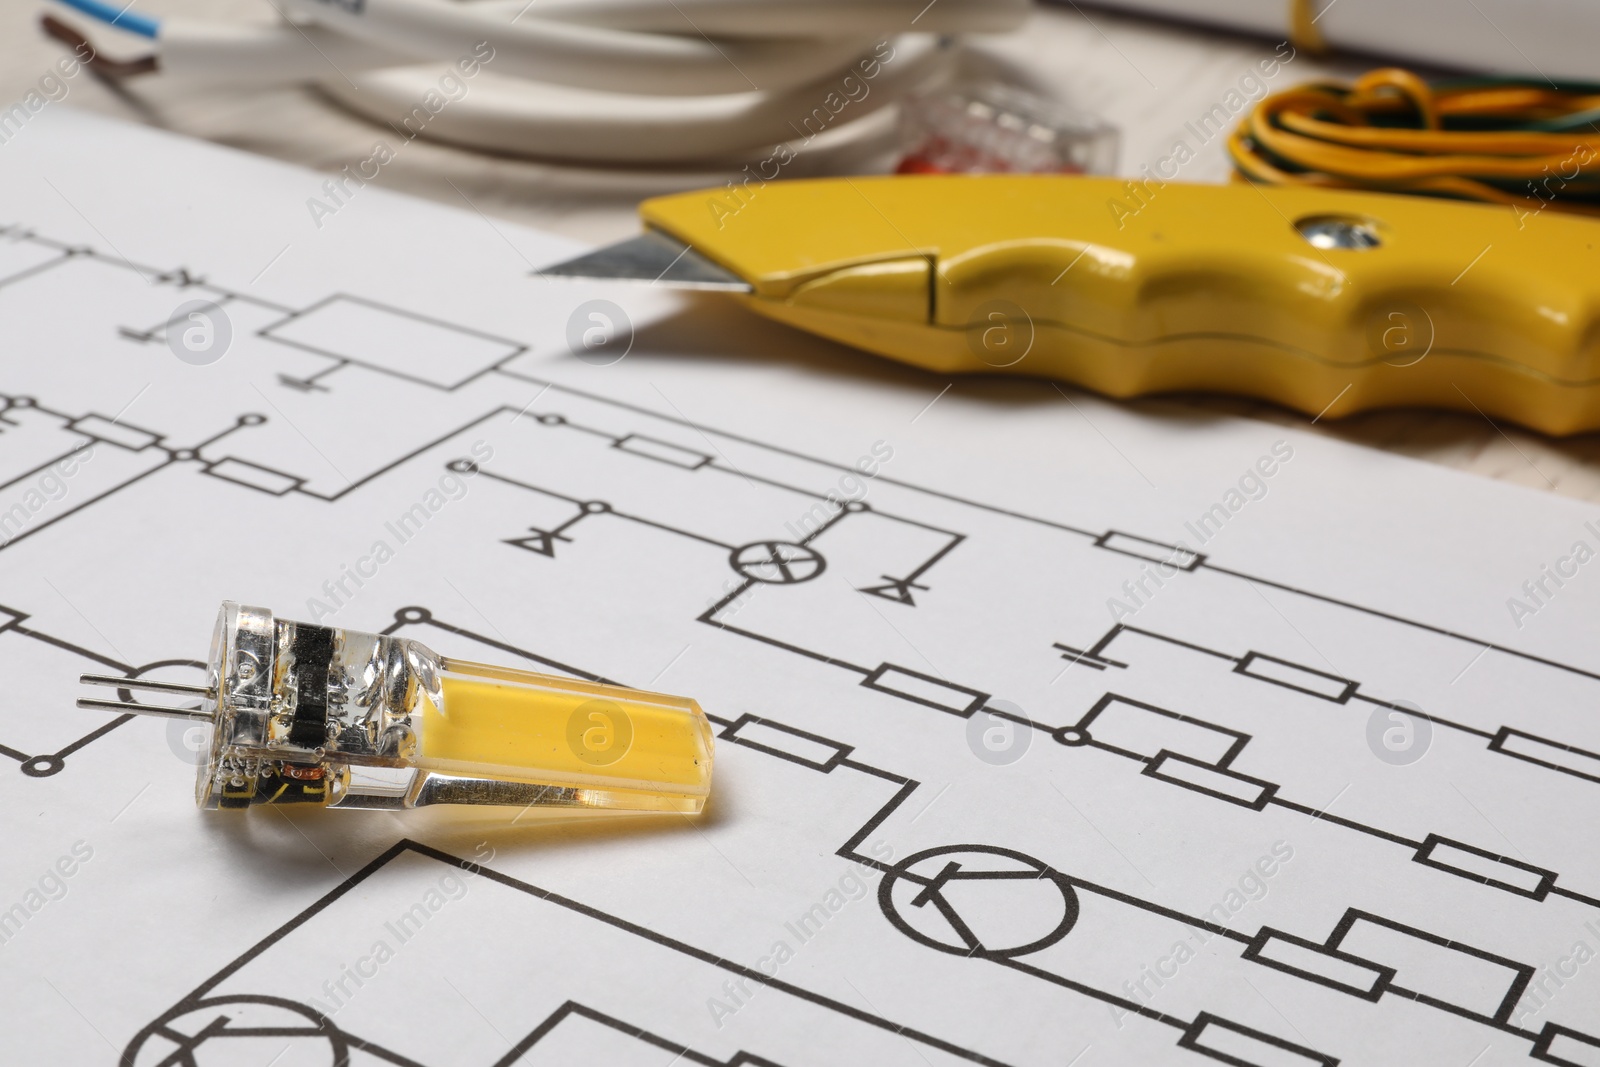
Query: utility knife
[{"x": 1329, "y": 302}]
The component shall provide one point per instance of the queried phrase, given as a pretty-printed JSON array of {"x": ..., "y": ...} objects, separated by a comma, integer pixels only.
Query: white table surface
[{"x": 1146, "y": 78}]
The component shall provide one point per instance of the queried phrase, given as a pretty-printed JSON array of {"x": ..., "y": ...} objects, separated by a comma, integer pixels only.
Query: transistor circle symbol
[
  {"x": 777, "y": 562},
  {"x": 978, "y": 900},
  {"x": 238, "y": 1020}
]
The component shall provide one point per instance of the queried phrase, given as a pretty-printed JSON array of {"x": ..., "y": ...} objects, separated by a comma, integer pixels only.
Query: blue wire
[{"x": 113, "y": 15}]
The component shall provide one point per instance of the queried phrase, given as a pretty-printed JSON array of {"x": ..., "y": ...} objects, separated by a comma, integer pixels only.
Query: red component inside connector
[
  {"x": 303, "y": 773},
  {"x": 938, "y": 156},
  {"x": 996, "y": 129}
]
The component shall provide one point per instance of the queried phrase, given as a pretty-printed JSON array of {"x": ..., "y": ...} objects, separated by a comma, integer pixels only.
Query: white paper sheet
[{"x": 1216, "y": 837}]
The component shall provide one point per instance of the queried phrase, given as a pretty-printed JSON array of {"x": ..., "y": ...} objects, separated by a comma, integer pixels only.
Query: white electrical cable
[
  {"x": 775, "y": 18},
  {"x": 210, "y": 53},
  {"x": 616, "y": 81},
  {"x": 501, "y": 114},
  {"x": 587, "y": 57}
]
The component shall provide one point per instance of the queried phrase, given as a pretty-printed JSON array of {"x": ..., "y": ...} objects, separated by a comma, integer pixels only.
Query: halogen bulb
[{"x": 307, "y": 714}]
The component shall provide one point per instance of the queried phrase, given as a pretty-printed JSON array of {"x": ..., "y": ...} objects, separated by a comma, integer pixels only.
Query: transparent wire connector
[
  {"x": 998, "y": 129},
  {"x": 334, "y": 718}
]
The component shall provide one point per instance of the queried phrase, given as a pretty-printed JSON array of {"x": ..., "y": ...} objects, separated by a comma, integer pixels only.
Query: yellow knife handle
[{"x": 1327, "y": 301}]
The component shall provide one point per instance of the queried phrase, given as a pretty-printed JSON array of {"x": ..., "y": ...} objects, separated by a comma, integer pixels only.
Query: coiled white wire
[{"x": 614, "y": 81}]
